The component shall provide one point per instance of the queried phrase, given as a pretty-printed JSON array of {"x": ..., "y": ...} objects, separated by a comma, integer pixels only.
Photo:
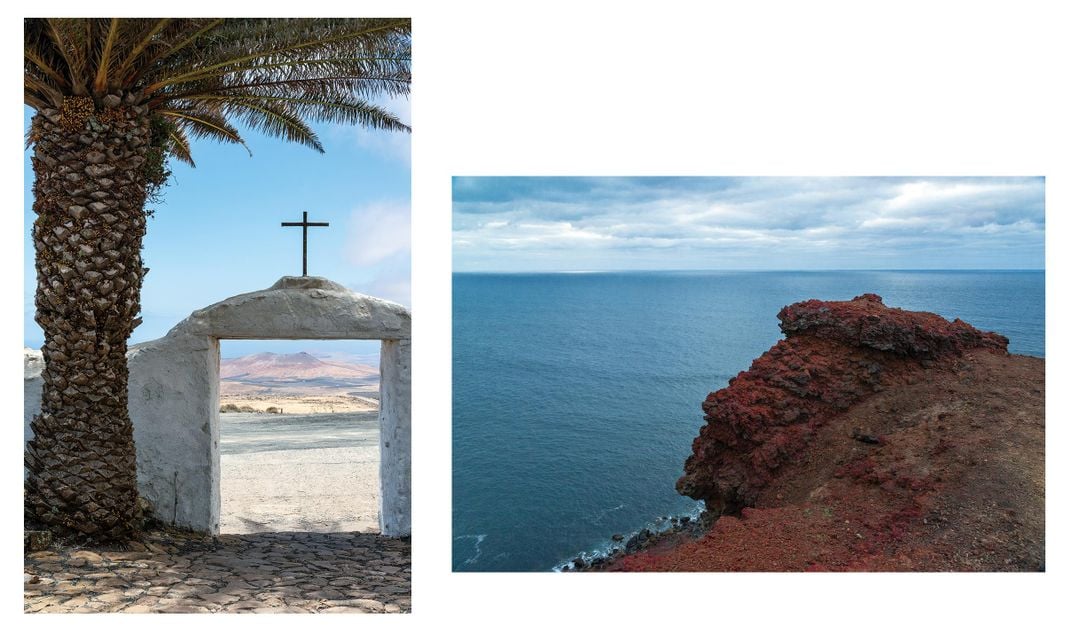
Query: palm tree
[{"x": 114, "y": 100}]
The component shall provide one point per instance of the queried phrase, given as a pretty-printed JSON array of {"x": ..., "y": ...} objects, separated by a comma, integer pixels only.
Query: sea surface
[{"x": 577, "y": 395}]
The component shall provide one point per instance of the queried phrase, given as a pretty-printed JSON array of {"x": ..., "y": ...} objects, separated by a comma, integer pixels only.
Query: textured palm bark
[{"x": 89, "y": 193}]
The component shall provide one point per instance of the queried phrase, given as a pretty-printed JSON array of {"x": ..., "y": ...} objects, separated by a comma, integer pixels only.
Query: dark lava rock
[
  {"x": 865, "y": 438},
  {"x": 637, "y": 541}
]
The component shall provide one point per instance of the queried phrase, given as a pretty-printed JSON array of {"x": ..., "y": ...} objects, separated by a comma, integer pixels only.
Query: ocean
[{"x": 576, "y": 396}]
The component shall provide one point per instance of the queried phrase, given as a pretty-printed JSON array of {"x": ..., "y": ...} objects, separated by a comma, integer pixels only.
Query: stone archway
[{"x": 174, "y": 392}]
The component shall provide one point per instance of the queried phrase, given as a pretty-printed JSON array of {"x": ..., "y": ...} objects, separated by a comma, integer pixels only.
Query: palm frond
[
  {"x": 69, "y": 36},
  {"x": 31, "y": 99},
  {"x": 187, "y": 34},
  {"x": 36, "y": 57},
  {"x": 201, "y": 123},
  {"x": 100, "y": 81},
  {"x": 37, "y": 91},
  {"x": 178, "y": 145},
  {"x": 206, "y": 76},
  {"x": 145, "y": 38},
  {"x": 319, "y": 39},
  {"x": 361, "y": 78},
  {"x": 338, "y": 109},
  {"x": 273, "y": 119}
]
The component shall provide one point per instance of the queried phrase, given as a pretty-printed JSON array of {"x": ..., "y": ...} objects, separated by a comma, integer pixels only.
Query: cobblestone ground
[{"x": 170, "y": 571}]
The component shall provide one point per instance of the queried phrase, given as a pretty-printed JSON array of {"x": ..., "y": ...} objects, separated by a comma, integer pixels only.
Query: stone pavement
[{"x": 172, "y": 571}]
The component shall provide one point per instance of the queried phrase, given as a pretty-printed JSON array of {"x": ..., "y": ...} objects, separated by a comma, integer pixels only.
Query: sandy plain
[{"x": 315, "y": 472}]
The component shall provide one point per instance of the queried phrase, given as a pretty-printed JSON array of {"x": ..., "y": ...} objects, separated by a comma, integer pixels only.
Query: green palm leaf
[{"x": 206, "y": 76}]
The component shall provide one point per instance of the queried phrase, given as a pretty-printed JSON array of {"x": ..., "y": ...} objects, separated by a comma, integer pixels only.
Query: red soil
[{"x": 955, "y": 480}]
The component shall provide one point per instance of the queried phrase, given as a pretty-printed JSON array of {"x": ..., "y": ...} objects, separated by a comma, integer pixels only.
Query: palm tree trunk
[{"x": 89, "y": 193}]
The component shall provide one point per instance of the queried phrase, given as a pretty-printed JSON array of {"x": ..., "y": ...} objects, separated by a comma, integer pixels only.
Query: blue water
[{"x": 577, "y": 396}]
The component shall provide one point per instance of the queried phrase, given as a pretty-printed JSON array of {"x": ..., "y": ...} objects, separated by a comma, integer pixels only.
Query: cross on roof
[{"x": 304, "y": 224}]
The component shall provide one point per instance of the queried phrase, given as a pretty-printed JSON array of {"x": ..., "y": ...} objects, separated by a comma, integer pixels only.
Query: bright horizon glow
[{"x": 560, "y": 224}]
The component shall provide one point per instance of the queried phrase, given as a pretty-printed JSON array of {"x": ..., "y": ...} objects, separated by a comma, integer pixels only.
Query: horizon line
[{"x": 729, "y": 270}]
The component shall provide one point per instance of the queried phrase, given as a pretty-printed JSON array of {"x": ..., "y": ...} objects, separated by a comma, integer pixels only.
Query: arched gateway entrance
[{"x": 174, "y": 392}]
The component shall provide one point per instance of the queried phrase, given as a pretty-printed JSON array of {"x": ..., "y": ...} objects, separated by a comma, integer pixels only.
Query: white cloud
[
  {"x": 392, "y": 282},
  {"x": 378, "y": 243},
  {"x": 876, "y": 223},
  {"x": 757, "y": 222},
  {"x": 377, "y": 232}
]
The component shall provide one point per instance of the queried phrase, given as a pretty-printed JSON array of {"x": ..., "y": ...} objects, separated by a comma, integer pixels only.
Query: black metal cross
[{"x": 304, "y": 224}]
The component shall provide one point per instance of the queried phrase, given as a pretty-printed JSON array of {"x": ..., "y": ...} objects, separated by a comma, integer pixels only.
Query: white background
[{"x": 669, "y": 88}]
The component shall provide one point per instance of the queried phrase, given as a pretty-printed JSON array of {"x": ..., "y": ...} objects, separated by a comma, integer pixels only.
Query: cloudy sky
[
  {"x": 652, "y": 223},
  {"x": 217, "y": 233}
]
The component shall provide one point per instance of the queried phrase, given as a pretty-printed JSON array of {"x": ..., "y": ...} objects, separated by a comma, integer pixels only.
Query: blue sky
[
  {"x": 218, "y": 233},
  {"x": 776, "y": 223}
]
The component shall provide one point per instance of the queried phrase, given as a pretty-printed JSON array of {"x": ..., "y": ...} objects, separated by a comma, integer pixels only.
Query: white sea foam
[
  {"x": 606, "y": 547},
  {"x": 603, "y": 512},
  {"x": 476, "y": 546}
]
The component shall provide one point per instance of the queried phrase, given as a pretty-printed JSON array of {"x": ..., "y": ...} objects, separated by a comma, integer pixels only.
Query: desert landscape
[
  {"x": 299, "y": 444},
  {"x": 296, "y": 384}
]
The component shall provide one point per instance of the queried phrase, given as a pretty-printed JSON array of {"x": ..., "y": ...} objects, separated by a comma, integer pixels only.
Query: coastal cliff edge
[{"x": 870, "y": 438}]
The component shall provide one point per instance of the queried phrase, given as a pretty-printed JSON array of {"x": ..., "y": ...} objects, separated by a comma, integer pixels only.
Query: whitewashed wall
[{"x": 174, "y": 392}]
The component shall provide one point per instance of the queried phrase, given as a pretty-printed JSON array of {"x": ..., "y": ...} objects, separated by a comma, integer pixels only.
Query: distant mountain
[{"x": 282, "y": 367}]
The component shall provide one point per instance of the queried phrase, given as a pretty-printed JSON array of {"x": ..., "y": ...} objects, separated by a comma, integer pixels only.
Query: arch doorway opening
[{"x": 299, "y": 436}]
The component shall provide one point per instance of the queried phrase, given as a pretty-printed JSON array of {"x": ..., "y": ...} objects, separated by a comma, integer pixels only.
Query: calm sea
[{"x": 577, "y": 396}]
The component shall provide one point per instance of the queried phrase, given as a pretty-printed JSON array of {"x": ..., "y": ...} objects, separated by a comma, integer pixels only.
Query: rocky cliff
[{"x": 870, "y": 438}]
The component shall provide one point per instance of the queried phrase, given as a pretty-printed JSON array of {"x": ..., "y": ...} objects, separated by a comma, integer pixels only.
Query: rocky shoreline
[{"x": 680, "y": 527}]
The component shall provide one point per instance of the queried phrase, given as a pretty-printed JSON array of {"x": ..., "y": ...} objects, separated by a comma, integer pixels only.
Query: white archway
[{"x": 174, "y": 392}]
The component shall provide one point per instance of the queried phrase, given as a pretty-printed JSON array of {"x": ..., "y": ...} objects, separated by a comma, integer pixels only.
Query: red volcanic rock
[
  {"x": 867, "y": 322},
  {"x": 871, "y": 438},
  {"x": 834, "y": 355},
  {"x": 956, "y": 483}
]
